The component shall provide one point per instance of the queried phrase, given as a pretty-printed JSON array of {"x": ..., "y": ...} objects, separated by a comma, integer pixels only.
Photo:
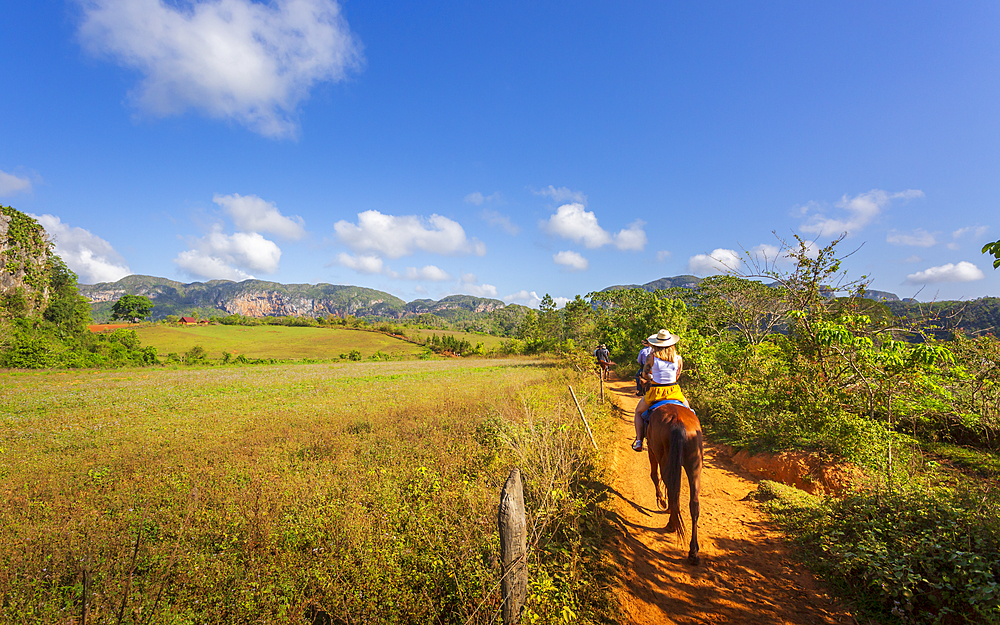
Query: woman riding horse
[
  {"x": 660, "y": 371},
  {"x": 675, "y": 436}
]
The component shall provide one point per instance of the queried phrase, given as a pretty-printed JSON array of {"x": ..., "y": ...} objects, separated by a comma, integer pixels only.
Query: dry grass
[{"x": 258, "y": 495}]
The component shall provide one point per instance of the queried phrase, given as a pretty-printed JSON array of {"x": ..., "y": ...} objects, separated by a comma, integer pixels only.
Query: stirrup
[{"x": 637, "y": 446}]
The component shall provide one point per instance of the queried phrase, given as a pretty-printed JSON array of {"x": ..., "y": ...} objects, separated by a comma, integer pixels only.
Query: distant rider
[{"x": 603, "y": 357}]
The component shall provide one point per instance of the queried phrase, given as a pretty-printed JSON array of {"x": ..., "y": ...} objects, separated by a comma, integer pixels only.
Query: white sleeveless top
[{"x": 663, "y": 371}]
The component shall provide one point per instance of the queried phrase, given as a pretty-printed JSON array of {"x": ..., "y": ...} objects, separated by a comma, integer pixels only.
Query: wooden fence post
[
  {"x": 513, "y": 546},
  {"x": 582, "y": 416}
]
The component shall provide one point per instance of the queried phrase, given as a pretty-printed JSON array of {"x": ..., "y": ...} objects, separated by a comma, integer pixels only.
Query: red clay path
[{"x": 746, "y": 575}]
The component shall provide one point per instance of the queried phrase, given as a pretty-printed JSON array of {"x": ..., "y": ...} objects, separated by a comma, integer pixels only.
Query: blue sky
[{"x": 503, "y": 149}]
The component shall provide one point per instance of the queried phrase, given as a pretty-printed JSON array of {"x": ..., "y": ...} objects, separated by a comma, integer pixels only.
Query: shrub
[{"x": 926, "y": 555}]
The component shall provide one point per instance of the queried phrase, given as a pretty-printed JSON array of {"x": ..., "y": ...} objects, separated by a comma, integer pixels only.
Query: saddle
[{"x": 649, "y": 411}]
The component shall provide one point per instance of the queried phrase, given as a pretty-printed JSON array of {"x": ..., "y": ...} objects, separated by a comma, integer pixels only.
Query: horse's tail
[{"x": 675, "y": 461}]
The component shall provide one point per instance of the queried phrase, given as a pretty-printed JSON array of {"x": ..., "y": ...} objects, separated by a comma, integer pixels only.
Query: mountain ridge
[
  {"x": 688, "y": 281},
  {"x": 260, "y": 298}
]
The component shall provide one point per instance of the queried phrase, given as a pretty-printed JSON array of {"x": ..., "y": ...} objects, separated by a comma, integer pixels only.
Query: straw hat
[{"x": 663, "y": 338}]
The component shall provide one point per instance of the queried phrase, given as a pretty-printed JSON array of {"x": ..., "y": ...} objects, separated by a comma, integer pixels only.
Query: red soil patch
[
  {"x": 103, "y": 327},
  {"x": 806, "y": 471}
]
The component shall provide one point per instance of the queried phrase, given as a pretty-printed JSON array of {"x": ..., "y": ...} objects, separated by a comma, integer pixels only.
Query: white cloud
[
  {"x": 576, "y": 223},
  {"x": 469, "y": 284},
  {"x": 861, "y": 210},
  {"x": 766, "y": 253},
  {"x": 977, "y": 232},
  {"x": 427, "y": 272},
  {"x": 198, "y": 264},
  {"x": 532, "y": 300},
  {"x": 478, "y": 198},
  {"x": 962, "y": 272},
  {"x": 632, "y": 238},
  {"x": 400, "y": 236},
  {"x": 663, "y": 255},
  {"x": 494, "y": 218},
  {"x": 918, "y": 238},
  {"x": 11, "y": 184},
  {"x": 912, "y": 259},
  {"x": 89, "y": 256},
  {"x": 525, "y": 298},
  {"x": 221, "y": 256},
  {"x": 563, "y": 194},
  {"x": 571, "y": 260},
  {"x": 719, "y": 261},
  {"x": 419, "y": 289},
  {"x": 252, "y": 214},
  {"x": 480, "y": 290},
  {"x": 365, "y": 263},
  {"x": 252, "y": 62}
]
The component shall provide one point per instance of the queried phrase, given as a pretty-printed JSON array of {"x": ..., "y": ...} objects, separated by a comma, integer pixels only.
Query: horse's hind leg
[
  {"x": 654, "y": 475},
  {"x": 693, "y": 470}
]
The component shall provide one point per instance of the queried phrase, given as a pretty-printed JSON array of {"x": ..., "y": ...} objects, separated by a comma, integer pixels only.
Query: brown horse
[{"x": 674, "y": 439}]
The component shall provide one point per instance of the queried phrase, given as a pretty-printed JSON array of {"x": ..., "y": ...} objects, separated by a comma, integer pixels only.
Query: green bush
[
  {"x": 922, "y": 555},
  {"x": 29, "y": 350}
]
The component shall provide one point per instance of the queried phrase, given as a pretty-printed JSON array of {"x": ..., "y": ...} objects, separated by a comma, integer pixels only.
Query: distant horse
[
  {"x": 605, "y": 366},
  {"x": 674, "y": 439}
]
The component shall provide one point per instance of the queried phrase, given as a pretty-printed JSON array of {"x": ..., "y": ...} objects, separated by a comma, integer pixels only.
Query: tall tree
[
  {"x": 67, "y": 308},
  {"x": 627, "y": 316},
  {"x": 578, "y": 319},
  {"x": 746, "y": 307},
  {"x": 132, "y": 308},
  {"x": 550, "y": 320}
]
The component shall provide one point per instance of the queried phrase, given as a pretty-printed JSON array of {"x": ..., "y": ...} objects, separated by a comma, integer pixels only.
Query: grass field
[
  {"x": 363, "y": 491},
  {"x": 280, "y": 342}
]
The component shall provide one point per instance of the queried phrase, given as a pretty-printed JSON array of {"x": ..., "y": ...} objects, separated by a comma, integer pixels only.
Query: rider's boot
[{"x": 637, "y": 445}]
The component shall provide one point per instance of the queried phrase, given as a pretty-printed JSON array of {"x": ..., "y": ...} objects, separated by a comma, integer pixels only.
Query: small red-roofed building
[{"x": 190, "y": 321}]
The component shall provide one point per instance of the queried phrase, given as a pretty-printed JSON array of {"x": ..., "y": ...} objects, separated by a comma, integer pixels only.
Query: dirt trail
[{"x": 746, "y": 574}]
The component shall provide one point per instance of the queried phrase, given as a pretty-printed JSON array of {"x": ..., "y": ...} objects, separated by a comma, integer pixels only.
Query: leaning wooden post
[
  {"x": 602, "y": 390},
  {"x": 513, "y": 546},
  {"x": 582, "y": 416}
]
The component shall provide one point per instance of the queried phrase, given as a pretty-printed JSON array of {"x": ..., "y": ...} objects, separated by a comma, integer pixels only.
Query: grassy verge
[
  {"x": 364, "y": 492},
  {"x": 923, "y": 554},
  {"x": 980, "y": 461}
]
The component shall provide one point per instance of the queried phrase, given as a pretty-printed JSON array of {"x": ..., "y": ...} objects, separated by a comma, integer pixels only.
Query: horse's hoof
[{"x": 693, "y": 560}]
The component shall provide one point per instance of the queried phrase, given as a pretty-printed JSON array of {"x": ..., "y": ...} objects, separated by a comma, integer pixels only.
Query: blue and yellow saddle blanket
[{"x": 649, "y": 411}]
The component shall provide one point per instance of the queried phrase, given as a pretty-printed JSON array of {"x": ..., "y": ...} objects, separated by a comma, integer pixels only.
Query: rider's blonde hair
[{"x": 666, "y": 353}]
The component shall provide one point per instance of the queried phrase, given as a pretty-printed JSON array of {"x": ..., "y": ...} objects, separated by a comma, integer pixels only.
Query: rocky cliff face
[
  {"x": 452, "y": 302},
  {"x": 275, "y": 304},
  {"x": 24, "y": 263}
]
